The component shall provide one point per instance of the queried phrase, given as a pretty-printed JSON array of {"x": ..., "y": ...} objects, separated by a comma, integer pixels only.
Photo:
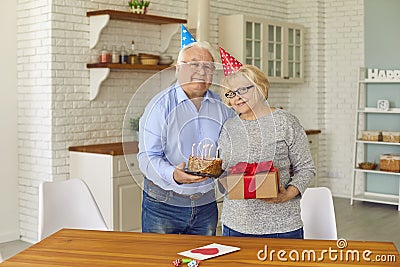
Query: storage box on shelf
[
  {"x": 371, "y": 135},
  {"x": 379, "y": 140},
  {"x": 99, "y": 19},
  {"x": 390, "y": 162},
  {"x": 393, "y": 137}
]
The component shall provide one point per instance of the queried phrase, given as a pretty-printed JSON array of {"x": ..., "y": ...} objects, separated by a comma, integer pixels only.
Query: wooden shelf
[
  {"x": 127, "y": 66},
  {"x": 99, "y": 19},
  {"x": 122, "y": 15}
]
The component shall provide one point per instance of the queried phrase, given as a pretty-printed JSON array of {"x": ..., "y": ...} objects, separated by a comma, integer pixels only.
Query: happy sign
[{"x": 376, "y": 74}]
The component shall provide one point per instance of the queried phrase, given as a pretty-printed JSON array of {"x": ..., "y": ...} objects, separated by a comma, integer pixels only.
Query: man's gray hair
[{"x": 202, "y": 44}]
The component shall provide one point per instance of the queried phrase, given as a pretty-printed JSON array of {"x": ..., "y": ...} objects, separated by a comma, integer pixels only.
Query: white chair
[
  {"x": 67, "y": 204},
  {"x": 318, "y": 214}
]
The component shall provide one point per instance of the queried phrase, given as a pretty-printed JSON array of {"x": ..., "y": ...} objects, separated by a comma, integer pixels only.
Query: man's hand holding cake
[{"x": 181, "y": 177}]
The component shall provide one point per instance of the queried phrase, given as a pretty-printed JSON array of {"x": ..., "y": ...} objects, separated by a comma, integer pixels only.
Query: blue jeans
[
  {"x": 296, "y": 234},
  {"x": 160, "y": 217}
]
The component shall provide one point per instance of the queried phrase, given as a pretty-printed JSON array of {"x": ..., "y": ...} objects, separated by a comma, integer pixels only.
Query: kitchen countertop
[
  {"x": 309, "y": 132},
  {"x": 113, "y": 149},
  {"x": 117, "y": 149}
]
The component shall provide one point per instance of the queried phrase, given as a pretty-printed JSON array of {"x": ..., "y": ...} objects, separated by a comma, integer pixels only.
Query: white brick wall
[
  {"x": 344, "y": 54},
  {"x": 34, "y": 108},
  {"x": 53, "y": 82}
]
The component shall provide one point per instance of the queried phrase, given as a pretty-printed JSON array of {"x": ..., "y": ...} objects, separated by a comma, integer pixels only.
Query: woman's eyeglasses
[
  {"x": 197, "y": 66},
  {"x": 240, "y": 91}
]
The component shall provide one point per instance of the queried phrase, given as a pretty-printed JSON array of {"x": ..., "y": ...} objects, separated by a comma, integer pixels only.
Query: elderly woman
[{"x": 260, "y": 133}]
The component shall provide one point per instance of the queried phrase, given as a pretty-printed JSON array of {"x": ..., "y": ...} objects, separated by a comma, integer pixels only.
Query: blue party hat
[{"x": 186, "y": 37}]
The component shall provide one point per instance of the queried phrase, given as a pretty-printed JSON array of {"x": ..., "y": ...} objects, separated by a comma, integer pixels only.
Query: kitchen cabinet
[
  {"x": 275, "y": 47},
  {"x": 368, "y": 115},
  {"x": 116, "y": 187},
  {"x": 313, "y": 141},
  {"x": 98, "y": 20}
]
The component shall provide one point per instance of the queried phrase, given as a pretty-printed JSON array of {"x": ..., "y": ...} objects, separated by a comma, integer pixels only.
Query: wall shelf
[
  {"x": 372, "y": 110},
  {"x": 144, "y": 18},
  {"x": 126, "y": 66},
  {"x": 376, "y": 172},
  {"x": 377, "y": 198},
  {"x": 99, "y": 20},
  {"x": 360, "y": 175},
  {"x": 377, "y": 142},
  {"x": 100, "y": 71}
]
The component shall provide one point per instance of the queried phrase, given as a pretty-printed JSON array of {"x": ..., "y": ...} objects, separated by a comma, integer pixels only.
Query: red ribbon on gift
[{"x": 249, "y": 170}]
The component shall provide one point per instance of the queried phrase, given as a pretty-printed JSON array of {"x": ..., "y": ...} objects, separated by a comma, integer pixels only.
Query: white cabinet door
[
  {"x": 96, "y": 170},
  {"x": 128, "y": 199},
  {"x": 285, "y": 51},
  {"x": 276, "y": 47},
  {"x": 116, "y": 188},
  {"x": 128, "y": 182},
  {"x": 313, "y": 141}
]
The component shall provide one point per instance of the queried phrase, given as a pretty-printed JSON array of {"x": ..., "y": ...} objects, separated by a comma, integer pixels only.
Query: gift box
[
  {"x": 390, "y": 162},
  {"x": 252, "y": 180}
]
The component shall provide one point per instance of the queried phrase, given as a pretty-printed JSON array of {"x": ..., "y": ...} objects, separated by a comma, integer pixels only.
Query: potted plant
[
  {"x": 134, "y": 122},
  {"x": 139, "y": 6}
]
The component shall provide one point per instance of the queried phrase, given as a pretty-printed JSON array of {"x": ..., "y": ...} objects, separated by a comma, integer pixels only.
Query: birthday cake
[{"x": 209, "y": 166}]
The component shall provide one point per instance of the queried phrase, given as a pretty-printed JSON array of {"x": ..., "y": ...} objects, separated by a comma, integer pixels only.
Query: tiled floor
[
  {"x": 362, "y": 221},
  {"x": 9, "y": 249}
]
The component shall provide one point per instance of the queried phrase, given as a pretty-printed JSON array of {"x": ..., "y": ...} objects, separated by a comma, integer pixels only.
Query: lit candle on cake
[
  {"x": 197, "y": 150},
  {"x": 216, "y": 152},
  {"x": 209, "y": 150},
  {"x": 193, "y": 149},
  {"x": 204, "y": 151}
]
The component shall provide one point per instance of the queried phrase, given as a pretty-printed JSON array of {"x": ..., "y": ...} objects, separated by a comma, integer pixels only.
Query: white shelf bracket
[
  {"x": 96, "y": 25},
  {"x": 97, "y": 76},
  {"x": 167, "y": 31}
]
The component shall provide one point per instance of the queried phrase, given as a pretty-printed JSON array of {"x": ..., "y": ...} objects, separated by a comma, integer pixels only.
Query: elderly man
[{"x": 185, "y": 114}]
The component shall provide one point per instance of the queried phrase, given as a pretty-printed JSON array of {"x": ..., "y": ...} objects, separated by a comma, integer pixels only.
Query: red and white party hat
[{"x": 229, "y": 63}]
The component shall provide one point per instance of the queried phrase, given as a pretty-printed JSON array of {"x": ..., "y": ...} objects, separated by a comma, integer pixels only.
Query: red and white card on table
[{"x": 209, "y": 251}]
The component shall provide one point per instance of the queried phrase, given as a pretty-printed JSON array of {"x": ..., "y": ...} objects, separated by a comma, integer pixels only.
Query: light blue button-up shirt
[{"x": 171, "y": 129}]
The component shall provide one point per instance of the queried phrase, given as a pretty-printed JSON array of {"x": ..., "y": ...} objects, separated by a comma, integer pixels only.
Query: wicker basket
[
  {"x": 371, "y": 135},
  {"x": 149, "y": 61},
  {"x": 392, "y": 137},
  {"x": 367, "y": 165},
  {"x": 390, "y": 162}
]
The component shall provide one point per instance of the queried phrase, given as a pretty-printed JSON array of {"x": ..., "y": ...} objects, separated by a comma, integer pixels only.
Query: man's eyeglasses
[
  {"x": 197, "y": 66},
  {"x": 240, "y": 91}
]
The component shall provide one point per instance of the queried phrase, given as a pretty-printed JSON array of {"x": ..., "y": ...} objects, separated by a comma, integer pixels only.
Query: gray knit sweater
[{"x": 278, "y": 137}]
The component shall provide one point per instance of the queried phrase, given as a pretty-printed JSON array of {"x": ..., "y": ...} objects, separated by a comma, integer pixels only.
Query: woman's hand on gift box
[{"x": 283, "y": 194}]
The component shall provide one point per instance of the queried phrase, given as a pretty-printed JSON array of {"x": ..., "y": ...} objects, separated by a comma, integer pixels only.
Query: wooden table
[{"x": 95, "y": 248}]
